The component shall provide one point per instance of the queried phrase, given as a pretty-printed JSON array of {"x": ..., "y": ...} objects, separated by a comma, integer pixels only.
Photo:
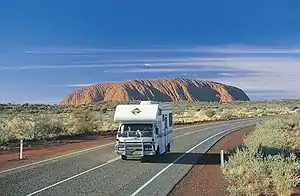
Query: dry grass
[
  {"x": 266, "y": 163},
  {"x": 39, "y": 122}
]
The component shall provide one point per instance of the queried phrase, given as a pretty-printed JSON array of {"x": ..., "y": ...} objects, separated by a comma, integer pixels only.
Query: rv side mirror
[{"x": 156, "y": 131}]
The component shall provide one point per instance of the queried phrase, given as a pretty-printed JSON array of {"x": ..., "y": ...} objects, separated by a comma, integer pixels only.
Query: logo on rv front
[{"x": 136, "y": 111}]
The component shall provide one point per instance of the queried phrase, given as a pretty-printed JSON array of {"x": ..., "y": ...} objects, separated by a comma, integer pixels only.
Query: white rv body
[{"x": 145, "y": 129}]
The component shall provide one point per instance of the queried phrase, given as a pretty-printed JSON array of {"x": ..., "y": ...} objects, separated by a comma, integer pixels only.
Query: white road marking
[
  {"x": 200, "y": 130},
  {"x": 159, "y": 173},
  {"x": 188, "y": 133},
  {"x": 58, "y": 157},
  {"x": 108, "y": 144},
  {"x": 67, "y": 179},
  {"x": 86, "y": 150},
  {"x": 109, "y": 161},
  {"x": 207, "y": 128},
  {"x": 117, "y": 158},
  {"x": 215, "y": 123}
]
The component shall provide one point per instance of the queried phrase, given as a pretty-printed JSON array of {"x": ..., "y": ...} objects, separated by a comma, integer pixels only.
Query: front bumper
[{"x": 134, "y": 148}]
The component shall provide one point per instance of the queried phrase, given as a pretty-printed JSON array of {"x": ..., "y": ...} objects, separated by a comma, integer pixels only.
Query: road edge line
[
  {"x": 70, "y": 178},
  {"x": 106, "y": 163},
  {"x": 176, "y": 160},
  {"x": 232, "y": 131},
  {"x": 57, "y": 157},
  {"x": 98, "y": 147},
  {"x": 70, "y": 154}
]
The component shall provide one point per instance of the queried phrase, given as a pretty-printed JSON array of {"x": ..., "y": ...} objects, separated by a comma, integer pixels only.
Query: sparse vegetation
[
  {"x": 210, "y": 113},
  {"x": 42, "y": 122},
  {"x": 267, "y": 163}
]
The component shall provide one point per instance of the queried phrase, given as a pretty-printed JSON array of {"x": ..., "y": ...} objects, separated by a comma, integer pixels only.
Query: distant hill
[{"x": 162, "y": 89}]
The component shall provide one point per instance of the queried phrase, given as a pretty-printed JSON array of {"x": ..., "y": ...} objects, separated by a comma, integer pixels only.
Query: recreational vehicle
[{"x": 144, "y": 129}]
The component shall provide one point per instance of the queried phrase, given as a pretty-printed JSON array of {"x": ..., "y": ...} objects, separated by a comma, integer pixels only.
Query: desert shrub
[
  {"x": 47, "y": 127},
  {"x": 4, "y": 133},
  {"x": 253, "y": 174},
  {"x": 20, "y": 127},
  {"x": 246, "y": 174},
  {"x": 274, "y": 135},
  {"x": 293, "y": 108},
  {"x": 226, "y": 115},
  {"x": 284, "y": 173},
  {"x": 104, "y": 110},
  {"x": 51, "y": 120},
  {"x": 210, "y": 113},
  {"x": 266, "y": 163},
  {"x": 80, "y": 122}
]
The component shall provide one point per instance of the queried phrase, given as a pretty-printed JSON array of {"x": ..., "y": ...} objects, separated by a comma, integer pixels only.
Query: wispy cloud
[
  {"x": 256, "y": 69},
  {"x": 121, "y": 64},
  {"x": 242, "y": 63},
  {"x": 226, "y": 49},
  {"x": 31, "y": 67},
  {"x": 278, "y": 74},
  {"x": 72, "y": 85},
  {"x": 171, "y": 69},
  {"x": 227, "y": 74},
  {"x": 243, "y": 49}
]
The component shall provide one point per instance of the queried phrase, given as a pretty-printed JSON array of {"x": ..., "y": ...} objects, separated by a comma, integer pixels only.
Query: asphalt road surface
[{"x": 101, "y": 172}]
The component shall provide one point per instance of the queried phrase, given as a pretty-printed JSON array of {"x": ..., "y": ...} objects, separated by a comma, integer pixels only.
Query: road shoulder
[
  {"x": 205, "y": 177},
  {"x": 44, "y": 151},
  {"x": 9, "y": 156},
  {"x": 36, "y": 152}
]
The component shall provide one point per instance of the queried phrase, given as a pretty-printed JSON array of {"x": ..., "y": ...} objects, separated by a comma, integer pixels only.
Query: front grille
[{"x": 135, "y": 146}]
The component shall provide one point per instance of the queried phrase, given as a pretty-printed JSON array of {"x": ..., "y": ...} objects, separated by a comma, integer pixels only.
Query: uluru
[{"x": 159, "y": 89}]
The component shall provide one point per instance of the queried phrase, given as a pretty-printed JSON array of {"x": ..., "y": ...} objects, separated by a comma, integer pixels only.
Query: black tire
[
  {"x": 157, "y": 151},
  {"x": 124, "y": 157},
  {"x": 145, "y": 158},
  {"x": 168, "y": 148}
]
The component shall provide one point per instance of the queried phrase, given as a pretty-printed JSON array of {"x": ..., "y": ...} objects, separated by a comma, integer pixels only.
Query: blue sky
[{"x": 49, "y": 48}]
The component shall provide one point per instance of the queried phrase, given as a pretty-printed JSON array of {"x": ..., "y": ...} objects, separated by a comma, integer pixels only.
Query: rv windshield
[{"x": 135, "y": 130}]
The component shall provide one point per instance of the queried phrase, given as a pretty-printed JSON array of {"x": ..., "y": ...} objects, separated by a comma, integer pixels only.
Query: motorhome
[{"x": 144, "y": 129}]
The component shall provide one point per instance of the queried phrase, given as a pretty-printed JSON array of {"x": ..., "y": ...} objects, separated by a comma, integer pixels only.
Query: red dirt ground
[
  {"x": 208, "y": 179},
  {"x": 32, "y": 151},
  {"x": 35, "y": 152},
  {"x": 201, "y": 180}
]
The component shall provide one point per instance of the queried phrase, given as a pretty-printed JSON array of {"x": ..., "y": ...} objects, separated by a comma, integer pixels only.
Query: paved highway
[{"x": 101, "y": 172}]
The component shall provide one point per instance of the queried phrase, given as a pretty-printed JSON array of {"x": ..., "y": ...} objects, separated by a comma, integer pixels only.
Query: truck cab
[{"x": 144, "y": 129}]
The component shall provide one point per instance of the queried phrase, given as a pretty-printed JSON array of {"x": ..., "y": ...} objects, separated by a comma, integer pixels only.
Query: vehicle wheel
[
  {"x": 168, "y": 148},
  {"x": 145, "y": 158},
  {"x": 124, "y": 157},
  {"x": 157, "y": 151}
]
